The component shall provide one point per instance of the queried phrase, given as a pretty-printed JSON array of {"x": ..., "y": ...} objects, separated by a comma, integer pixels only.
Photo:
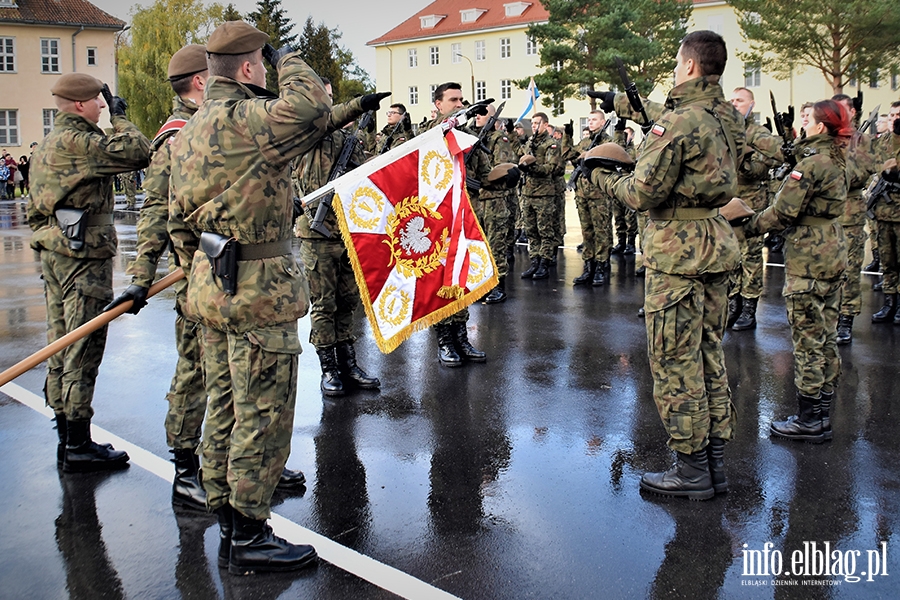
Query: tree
[
  {"x": 231, "y": 13},
  {"x": 319, "y": 46},
  {"x": 841, "y": 39},
  {"x": 580, "y": 41},
  {"x": 156, "y": 33},
  {"x": 269, "y": 17}
]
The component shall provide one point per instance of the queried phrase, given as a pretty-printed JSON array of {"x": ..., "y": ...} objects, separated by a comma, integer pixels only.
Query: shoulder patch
[
  {"x": 658, "y": 129},
  {"x": 553, "y": 145},
  {"x": 796, "y": 175}
]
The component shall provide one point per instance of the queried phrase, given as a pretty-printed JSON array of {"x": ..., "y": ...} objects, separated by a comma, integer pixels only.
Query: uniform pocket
[{"x": 663, "y": 322}]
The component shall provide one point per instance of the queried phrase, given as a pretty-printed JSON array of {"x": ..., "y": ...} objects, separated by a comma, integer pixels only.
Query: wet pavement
[{"x": 517, "y": 478}]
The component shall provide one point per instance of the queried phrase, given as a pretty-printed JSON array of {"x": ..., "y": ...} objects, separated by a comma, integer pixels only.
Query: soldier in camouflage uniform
[
  {"x": 129, "y": 186},
  {"x": 72, "y": 171},
  {"x": 565, "y": 141},
  {"x": 541, "y": 165},
  {"x": 230, "y": 220},
  {"x": 397, "y": 130},
  {"x": 625, "y": 219},
  {"x": 687, "y": 168},
  {"x": 887, "y": 218},
  {"x": 333, "y": 292},
  {"x": 807, "y": 207}
]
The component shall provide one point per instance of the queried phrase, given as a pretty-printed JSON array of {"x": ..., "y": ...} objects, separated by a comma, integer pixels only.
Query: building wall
[{"x": 27, "y": 89}]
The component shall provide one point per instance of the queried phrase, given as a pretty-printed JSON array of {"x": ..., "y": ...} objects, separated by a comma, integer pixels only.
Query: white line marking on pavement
[{"x": 360, "y": 565}]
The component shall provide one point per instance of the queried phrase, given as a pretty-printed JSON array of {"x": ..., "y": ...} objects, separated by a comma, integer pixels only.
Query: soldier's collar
[{"x": 696, "y": 89}]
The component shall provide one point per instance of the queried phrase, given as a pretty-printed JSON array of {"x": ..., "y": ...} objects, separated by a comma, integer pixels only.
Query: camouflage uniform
[
  {"x": 129, "y": 185},
  {"x": 492, "y": 204},
  {"x": 539, "y": 196},
  {"x": 686, "y": 170},
  {"x": 73, "y": 167},
  {"x": 887, "y": 216},
  {"x": 593, "y": 210},
  {"x": 187, "y": 394},
  {"x": 390, "y": 139},
  {"x": 230, "y": 176},
  {"x": 808, "y": 204}
]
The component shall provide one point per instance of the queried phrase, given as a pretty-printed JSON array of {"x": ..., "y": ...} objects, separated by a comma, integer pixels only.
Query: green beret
[
  {"x": 187, "y": 61},
  {"x": 236, "y": 37},
  {"x": 609, "y": 156},
  {"x": 79, "y": 87}
]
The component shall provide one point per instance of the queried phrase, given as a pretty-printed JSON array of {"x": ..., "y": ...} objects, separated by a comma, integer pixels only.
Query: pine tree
[{"x": 270, "y": 18}]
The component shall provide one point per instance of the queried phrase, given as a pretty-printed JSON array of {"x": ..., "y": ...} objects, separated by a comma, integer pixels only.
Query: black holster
[
  {"x": 73, "y": 223},
  {"x": 223, "y": 258}
]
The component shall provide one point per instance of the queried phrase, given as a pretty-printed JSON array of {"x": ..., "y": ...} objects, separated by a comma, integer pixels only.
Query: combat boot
[
  {"x": 531, "y": 270},
  {"x": 590, "y": 266},
  {"x": 629, "y": 248},
  {"x": 888, "y": 311},
  {"x": 805, "y": 426},
  {"x": 688, "y": 477},
  {"x": 875, "y": 265},
  {"x": 543, "y": 270},
  {"x": 464, "y": 348},
  {"x": 845, "y": 329},
  {"x": 747, "y": 320},
  {"x": 601, "y": 275},
  {"x": 83, "y": 455},
  {"x": 331, "y": 384},
  {"x": 498, "y": 294},
  {"x": 225, "y": 517},
  {"x": 640, "y": 271},
  {"x": 186, "y": 489},
  {"x": 735, "y": 306},
  {"x": 446, "y": 350},
  {"x": 897, "y": 314},
  {"x": 291, "y": 480},
  {"x": 715, "y": 455},
  {"x": 346, "y": 358},
  {"x": 254, "y": 548},
  {"x": 619, "y": 247},
  {"x": 825, "y": 412},
  {"x": 62, "y": 433}
]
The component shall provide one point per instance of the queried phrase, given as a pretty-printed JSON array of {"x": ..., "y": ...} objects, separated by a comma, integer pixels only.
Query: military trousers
[
  {"x": 130, "y": 186},
  {"x": 187, "y": 392},
  {"x": 873, "y": 234},
  {"x": 889, "y": 248},
  {"x": 251, "y": 380},
  {"x": 493, "y": 215},
  {"x": 625, "y": 221},
  {"x": 813, "y": 315},
  {"x": 333, "y": 293},
  {"x": 561, "y": 217},
  {"x": 593, "y": 213},
  {"x": 539, "y": 214},
  {"x": 851, "y": 296},
  {"x": 748, "y": 276},
  {"x": 76, "y": 290},
  {"x": 512, "y": 204},
  {"x": 685, "y": 319},
  {"x": 642, "y": 220}
]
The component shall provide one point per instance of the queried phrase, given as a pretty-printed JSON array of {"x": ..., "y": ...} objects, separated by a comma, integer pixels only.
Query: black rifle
[
  {"x": 882, "y": 189},
  {"x": 634, "y": 97},
  {"x": 579, "y": 168},
  {"x": 482, "y": 135},
  {"x": 384, "y": 143},
  {"x": 871, "y": 122},
  {"x": 787, "y": 149},
  {"x": 341, "y": 166}
]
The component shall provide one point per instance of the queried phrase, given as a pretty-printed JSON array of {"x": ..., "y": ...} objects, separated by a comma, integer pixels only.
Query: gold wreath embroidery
[
  {"x": 358, "y": 200},
  {"x": 477, "y": 268},
  {"x": 388, "y": 310},
  {"x": 443, "y": 169},
  {"x": 414, "y": 267}
]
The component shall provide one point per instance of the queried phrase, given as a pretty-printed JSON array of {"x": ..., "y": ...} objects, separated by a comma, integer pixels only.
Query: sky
[{"x": 358, "y": 20}]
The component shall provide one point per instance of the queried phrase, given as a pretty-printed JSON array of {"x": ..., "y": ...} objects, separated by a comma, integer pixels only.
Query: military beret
[
  {"x": 236, "y": 37},
  {"x": 79, "y": 87},
  {"x": 500, "y": 171},
  {"x": 608, "y": 156},
  {"x": 735, "y": 210},
  {"x": 527, "y": 160},
  {"x": 187, "y": 61}
]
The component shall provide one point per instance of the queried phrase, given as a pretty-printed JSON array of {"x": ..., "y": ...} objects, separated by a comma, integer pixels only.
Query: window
[
  {"x": 9, "y": 127},
  {"x": 435, "y": 55},
  {"x": 92, "y": 57},
  {"x": 752, "y": 75},
  {"x": 514, "y": 9},
  {"x": 470, "y": 15},
  {"x": 480, "y": 91},
  {"x": 456, "y": 53},
  {"x": 480, "y": 53},
  {"x": 505, "y": 89},
  {"x": 50, "y": 55},
  {"x": 7, "y": 55},
  {"x": 504, "y": 48},
  {"x": 49, "y": 117},
  {"x": 530, "y": 46},
  {"x": 413, "y": 94},
  {"x": 873, "y": 78},
  {"x": 429, "y": 21},
  {"x": 716, "y": 23}
]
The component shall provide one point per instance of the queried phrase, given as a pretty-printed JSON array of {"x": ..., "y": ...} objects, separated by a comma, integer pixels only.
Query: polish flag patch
[
  {"x": 796, "y": 175},
  {"x": 658, "y": 129}
]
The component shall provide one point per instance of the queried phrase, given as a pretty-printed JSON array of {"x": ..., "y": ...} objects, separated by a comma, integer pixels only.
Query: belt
[
  {"x": 92, "y": 220},
  {"x": 682, "y": 214},
  {"x": 810, "y": 220},
  {"x": 265, "y": 250}
]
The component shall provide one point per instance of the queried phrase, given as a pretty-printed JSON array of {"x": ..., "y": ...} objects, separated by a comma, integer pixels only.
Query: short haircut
[
  {"x": 707, "y": 49},
  {"x": 895, "y": 104},
  {"x": 325, "y": 80},
  {"x": 598, "y": 112},
  {"x": 400, "y": 108},
  {"x": 439, "y": 90},
  {"x": 183, "y": 85},
  {"x": 542, "y": 116},
  {"x": 743, "y": 89},
  {"x": 228, "y": 65},
  {"x": 842, "y": 98},
  {"x": 806, "y": 105}
]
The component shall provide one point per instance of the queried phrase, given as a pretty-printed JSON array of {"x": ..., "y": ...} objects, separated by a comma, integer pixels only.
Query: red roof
[
  {"x": 59, "y": 12},
  {"x": 493, "y": 17}
]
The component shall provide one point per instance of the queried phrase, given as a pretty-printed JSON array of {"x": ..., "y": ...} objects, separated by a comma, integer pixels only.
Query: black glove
[
  {"x": 897, "y": 126},
  {"x": 512, "y": 177},
  {"x": 479, "y": 110},
  {"x": 524, "y": 168},
  {"x": 472, "y": 183},
  {"x": 768, "y": 124},
  {"x": 107, "y": 95},
  {"x": 608, "y": 99},
  {"x": 569, "y": 128},
  {"x": 118, "y": 106},
  {"x": 857, "y": 102},
  {"x": 373, "y": 101},
  {"x": 511, "y": 127},
  {"x": 787, "y": 118},
  {"x": 132, "y": 292},
  {"x": 272, "y": 56},
  {"x": 621, "y": 124}
]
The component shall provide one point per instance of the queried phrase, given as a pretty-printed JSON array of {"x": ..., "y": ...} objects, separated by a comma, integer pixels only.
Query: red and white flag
[{"x": 417, "y": 250}]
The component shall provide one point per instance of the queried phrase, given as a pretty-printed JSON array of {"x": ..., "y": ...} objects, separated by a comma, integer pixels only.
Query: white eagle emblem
[{"x": 414, "y": 237}]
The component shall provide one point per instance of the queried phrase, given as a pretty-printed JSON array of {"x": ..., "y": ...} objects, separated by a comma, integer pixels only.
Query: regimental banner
[{"x": 418, "y": 252}]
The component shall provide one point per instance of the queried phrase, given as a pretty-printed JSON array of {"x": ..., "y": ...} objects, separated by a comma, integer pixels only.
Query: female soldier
[{"x": 815, "y": 256}]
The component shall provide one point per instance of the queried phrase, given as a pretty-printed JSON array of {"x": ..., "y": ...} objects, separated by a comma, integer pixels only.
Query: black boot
[
  {"x": 331, "y": 384},
  {"x": 543, "y": 270},
  {"x": 291, "y": 480},
  {"x": 446, "y": 350},
  {"x": 640, "y": 271},
  {"x": 715, "y": 454},
  {"x": 629, "y": 248},
  {"x": 735, "y": 305},
  {"x": 777, "y": 244},
  {"x": 601, "y": 275},
  {"x": 225, "y": 516},
  {"x": 875, "y": 265},
  {"x": 845, "y": 329},
  {"x": 878, "y": 285},
  {"x": 747, "y": 320},
  {"x": 83, "y": 455},
  {"x": 186, "y": 489},
  {"x": 521, "y": 238},
  {"x": 531, "y": 270},
  {"x": 62, "y": 431},
  {"x": 498, "y": 294},
  {"x": 590, "y": 266},
  {"x": 825, "y": 412},
  {"x": 888, "y": 311},
  {"x": 254, "y": 548},
  {"x": 897, "y": 314},
  {"x": 805, "y": 426},
  {"x": 618, "y": 248},
  {"x": 689, "y": 477},
  {"x": 346, "y": 358},
  {"x": 465, "y": 349}
]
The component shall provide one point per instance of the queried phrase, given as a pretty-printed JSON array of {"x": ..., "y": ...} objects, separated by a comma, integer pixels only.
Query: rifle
[
  {"x": 341, "y": 166},
  {"x": 384, "y": 143},
  {"x": 634, "y": 98},
  {"x": 788, "y": 148},
  {"x": 579, "y": 168},
  {"x": 485, "y": 131},
  {"x": 882, "y": 189},
  {"x": 871, "y": 122}
]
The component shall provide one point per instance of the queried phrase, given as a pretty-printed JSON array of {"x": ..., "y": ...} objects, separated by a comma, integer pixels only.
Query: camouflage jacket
[
  {"x": 817, "y": 187},
  {"x": 887, "y": 208},
  {"x": 540, "y": 179},
  {"x": 762, "y": 151},
  {"x": 502, "y": 151},
  {"x": 478, "y": 167},
  {"x": 389, "y": 139},
  {"x": 230, "y": 175},
  {"x": 862, "y": 163},
  {"x": 584, "y": 187},
  {"x": 152, "y": 232},
  {"x": 73, "y": 167},
  {"x": 686, "y": 162}
]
